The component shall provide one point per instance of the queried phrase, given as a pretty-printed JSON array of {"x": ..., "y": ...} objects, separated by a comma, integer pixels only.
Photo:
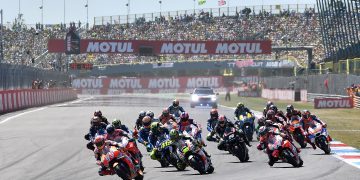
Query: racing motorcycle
[
  {"x": 169, "y": 153},
  {"x": 118, "y": 161},
  {"x": 319, "y": 135},
  {"x": 235, "y": 144},
  {"x": 297, "y": 132},
  {"x": 246, "y": 123},
  {"x": 195, "y": 157},
  {"x": 283, "y": 149}
]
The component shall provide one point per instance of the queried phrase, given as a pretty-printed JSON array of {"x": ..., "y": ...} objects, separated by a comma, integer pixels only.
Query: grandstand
[{"x": 287, "y": 25}]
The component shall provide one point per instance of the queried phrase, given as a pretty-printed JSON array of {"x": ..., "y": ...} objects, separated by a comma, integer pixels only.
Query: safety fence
[
  {"x": 21, "y": 77},
  {"x": 13, "y": 100}
]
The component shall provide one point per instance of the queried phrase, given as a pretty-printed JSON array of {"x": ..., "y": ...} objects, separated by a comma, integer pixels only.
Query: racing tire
[
  {"x": 211, "y": 169},
  {"x": 122, "y": 170}
]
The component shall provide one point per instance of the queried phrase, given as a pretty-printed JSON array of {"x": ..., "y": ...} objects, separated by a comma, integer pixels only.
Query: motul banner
[
  {"x": 321, "y": 103},
  {"x": 166, "y": 47},
  {"x": 144, "y": 85}
]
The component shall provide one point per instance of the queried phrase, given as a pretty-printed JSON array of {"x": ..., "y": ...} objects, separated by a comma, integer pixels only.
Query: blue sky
[{"x": 75, "y": 10}]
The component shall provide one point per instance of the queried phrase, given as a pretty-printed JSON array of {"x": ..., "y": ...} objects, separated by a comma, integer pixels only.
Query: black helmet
[
  {"x": 274, "y": 108},
  {"x": 150, "y": 113},
  {"x": 270, "y": 114},
  {"x": 98, "y": 113},
  {"x": 214, "y": 113},
  {"x": 289, "y": 108},
  {"x": 142, "y": 114},
  {"x": 268, "y": 104},
  {"x": 110, "y": 129}
]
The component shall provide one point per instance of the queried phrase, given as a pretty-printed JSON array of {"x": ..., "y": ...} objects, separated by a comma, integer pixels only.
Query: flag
[
  {"x": 278, "y": 7},
  {"x": 40, "y": 7},
  {"x": 86, "y": 5},
  {"x": 201, "y": 2},
  {"x": 221, "y": 2}
]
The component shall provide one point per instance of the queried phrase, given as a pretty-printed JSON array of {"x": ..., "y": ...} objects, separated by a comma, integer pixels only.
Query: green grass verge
[{"x": 339, "y": 120}]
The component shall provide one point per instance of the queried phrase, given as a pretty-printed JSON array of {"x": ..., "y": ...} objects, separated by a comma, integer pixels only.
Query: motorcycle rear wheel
[{"x": 122, "y": 170}]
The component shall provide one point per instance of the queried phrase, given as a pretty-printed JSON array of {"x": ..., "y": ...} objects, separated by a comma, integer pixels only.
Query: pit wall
[{"x": 13, "y": 100}]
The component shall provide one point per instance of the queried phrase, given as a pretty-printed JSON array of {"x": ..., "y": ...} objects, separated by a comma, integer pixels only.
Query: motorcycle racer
[
  {"x": 266, "y": 108},
  {"x": 211, "y": 123},
  {"x": 98, "y": 113},
  {"x": 118, "y": 125},
  {"x": 97, "y": 128},
  {"x": 175, "y": 108},
  {"x": 144, "y": 133},
  {"x": 308, "y": 120},
  {"x": 290, "y": 112},
  {"x": 219, "y": 131},
  {"x": 167, "y": 120},
  {"x": 241, "y": 110},
  {"x": 138, "y": 122},
  {"x": 278, "y": 113}
]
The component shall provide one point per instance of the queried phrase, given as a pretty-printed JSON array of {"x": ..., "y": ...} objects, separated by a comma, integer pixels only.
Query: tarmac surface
[{"x": 48, "y": 143}]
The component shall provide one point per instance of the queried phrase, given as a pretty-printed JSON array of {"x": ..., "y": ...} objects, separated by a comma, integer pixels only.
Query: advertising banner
[
  {"x": 322, "y": 103},
  {"x": 166, "y": 47},
  {"x": 144, "y": 85}
]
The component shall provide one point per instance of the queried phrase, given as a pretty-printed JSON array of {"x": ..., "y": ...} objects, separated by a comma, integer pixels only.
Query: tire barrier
[{"x": 13, "y": 100}]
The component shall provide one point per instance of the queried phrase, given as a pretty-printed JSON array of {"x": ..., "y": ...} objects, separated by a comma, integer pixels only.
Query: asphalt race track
[{"x": 49, "y": 144}]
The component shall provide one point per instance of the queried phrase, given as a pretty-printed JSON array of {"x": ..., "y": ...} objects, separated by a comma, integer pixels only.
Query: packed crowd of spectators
[{"x": 23, "y": 45}]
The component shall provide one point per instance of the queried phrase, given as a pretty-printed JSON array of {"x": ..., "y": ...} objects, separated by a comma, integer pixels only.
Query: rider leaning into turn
[
  {"x": 308, "y": 120},
  {"x": 278, "y": 113},
  {"x": 102, "y": 148},
  {"x": 175, "y": 109},
  {"x": 290, "y": 112}
]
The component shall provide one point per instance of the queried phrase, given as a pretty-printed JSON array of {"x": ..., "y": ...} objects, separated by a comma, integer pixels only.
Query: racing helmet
[
  {"x": 240, "y": 105},
  {"x": 154, "y": 127},
  {"x": 289, "y": 108},
  {"x": 150, "y": 114},
  {"x": 270, "y": 114},
  {"x": 95, "y": 120},
  {"x": 142, "y": 114},
  {"x": 146, "y": 121},
  {"x": 98, "y": 113},
  {"x": 268, "y": 104},
  {"x": 176, "y": 102},
  {"x": 184, "y": 116},
  {"x": 116, "y": 122},
  {"x": 263, "y": 130},
  {"x": 214, "y": 113},
  {"x": 165, "y": 112},
  {"x": 99, "y": 142},
  {"x": 222, "y": 119},
  {"x": 110, "y": 129},
  {"x": 174, "y": 134},
  {"x": 306, "y": 114},
  {"x": 274, "y": 108}
]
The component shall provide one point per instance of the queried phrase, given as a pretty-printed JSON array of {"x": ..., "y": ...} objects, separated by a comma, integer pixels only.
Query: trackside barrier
[
  {"x": 283, "y": 94},
  {"x": 312, "y": 96},
  {"x": 357, "y": 102},
  {"x": 13, "y": 100}
]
